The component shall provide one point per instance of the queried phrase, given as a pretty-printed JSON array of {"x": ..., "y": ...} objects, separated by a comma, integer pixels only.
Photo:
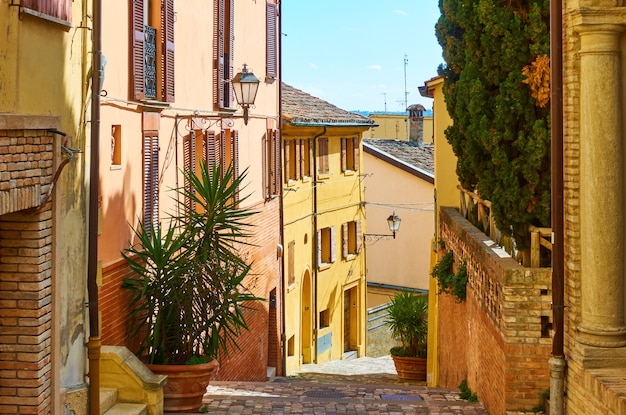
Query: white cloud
[
  {"x": 375, "y": 67},
  {"x": 313, "y": 66},
  {"x": 401, "y": 13}
]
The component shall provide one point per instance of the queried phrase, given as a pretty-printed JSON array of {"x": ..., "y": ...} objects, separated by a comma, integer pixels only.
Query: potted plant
[
  {"x": 187, "y": 299},
  {"x": 408, "y": 322}
]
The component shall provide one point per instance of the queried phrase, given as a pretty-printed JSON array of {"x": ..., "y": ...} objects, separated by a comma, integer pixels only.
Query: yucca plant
[
  {"x": 187, "y": 298},
  {"x": 408, "y": 322}
]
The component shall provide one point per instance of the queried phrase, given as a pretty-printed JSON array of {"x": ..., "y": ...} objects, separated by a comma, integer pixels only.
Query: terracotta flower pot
[
  {"x": 186, "y": 385},
  {"x": 410, "y": 368}
]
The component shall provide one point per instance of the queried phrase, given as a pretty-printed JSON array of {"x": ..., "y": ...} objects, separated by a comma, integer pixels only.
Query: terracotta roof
[
  {"x": 300, "y": 108},
  {"x": 421, "y": 158}
]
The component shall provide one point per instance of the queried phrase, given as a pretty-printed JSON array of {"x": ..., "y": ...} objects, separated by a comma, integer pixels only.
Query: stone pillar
[{"x": 601, "y": 188}]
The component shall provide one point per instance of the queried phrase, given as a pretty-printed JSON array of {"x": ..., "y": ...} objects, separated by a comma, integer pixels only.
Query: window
[
  {"x": 150, "y": 179},
  {"x": 350, "y": 154},
  {"x": 271, "y": 163},
  {"x": 61, "y": 9},
  {"x": 195, "y": 151},
  {"x": 351, "y": 238},
  {"x": 324, "y": 319},
  {"x": 306, "y": 152},
  {"x": 116, "y": 145},
  {"x": 292, "y": 154},
  {"x": 322, "y": 156},
  {"x": 326, "y": 246},
  {"x": 223, "y": 47},
  {"x": 152, "y": 49},
  {"x": 291, "y": 272},
  {"x": 297, "y": 159},
  {"x": 271, "y": 40}
]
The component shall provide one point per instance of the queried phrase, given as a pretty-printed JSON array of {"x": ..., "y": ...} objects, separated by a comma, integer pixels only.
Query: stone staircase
[{"x": 110, "y": 406}]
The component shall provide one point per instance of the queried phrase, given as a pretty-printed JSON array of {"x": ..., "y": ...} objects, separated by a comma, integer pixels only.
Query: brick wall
[
  {"x": 257, "y": 347},
  {"x": 496, "y": 333},
  {"x": 25, "y": 265},
  {"x": 113, "y": 303}
]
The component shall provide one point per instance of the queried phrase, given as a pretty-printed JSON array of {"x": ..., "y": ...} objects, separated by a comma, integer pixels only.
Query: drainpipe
[
  {"x": 279, "y": 162},
  {"x": 556, "y": 362},
  {"x": 93, "y": 346},
  {"x": 314, "y": 236}
]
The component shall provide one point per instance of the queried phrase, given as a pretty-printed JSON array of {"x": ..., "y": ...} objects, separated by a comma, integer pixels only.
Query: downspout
[
  {"x": 279, "y": 162},
  {"x": 93, "y": 346},
  {"x": 556, "y": 362},
  {"x": 314, "y": 236}
]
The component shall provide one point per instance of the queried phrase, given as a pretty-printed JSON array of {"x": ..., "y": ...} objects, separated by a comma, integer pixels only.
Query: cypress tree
[{"x": 496, "y": 84}]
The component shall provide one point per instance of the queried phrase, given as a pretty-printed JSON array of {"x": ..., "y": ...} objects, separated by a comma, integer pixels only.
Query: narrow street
[{"x": 360, "y": 386}]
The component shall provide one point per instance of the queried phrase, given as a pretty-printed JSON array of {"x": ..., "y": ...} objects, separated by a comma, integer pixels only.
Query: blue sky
[{"x": 351, "y": 52}]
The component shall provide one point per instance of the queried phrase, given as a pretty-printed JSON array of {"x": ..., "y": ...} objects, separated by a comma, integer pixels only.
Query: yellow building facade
[
  {"x": 397, "y": 126},
  {"x": 446, "y": 194},
  {"x": 44, "y": 147},
  {"x": 323, "y": 227}
]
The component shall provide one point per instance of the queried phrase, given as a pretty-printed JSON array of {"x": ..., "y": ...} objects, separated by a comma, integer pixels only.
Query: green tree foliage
[{"x": 501, "y": 129}]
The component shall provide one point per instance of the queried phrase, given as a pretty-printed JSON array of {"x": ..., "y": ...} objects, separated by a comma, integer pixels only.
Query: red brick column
[{"x": 25, "y": 312}]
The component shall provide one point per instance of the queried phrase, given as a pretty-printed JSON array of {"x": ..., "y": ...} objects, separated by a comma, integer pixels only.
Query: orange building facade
[{"x": 167, "y": 102}]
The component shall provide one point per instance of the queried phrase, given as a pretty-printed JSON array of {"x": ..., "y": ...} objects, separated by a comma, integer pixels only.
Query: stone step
[
  {"x": 108, "y": 398},
  {"x": 127, "y": 409}
]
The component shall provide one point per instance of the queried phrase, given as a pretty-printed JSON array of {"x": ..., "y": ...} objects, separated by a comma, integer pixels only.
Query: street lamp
[
  {"x": 245, "y": 87},
  {"x": 393, "y": 221}
]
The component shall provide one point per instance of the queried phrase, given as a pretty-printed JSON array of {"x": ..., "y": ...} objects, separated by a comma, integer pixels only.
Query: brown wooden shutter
[
  {"x": 235, "y": 152},
  {"x": 167, "y": 41},
  {"x": 311, "y": 172},
  {"x": 345, "y": 231},
  {"x": 291, "y": 274},
  {"x": 218, "y": 53},
  {"x": 333, "y": 244},
  {"x": 298, "y": 161},
  {"x": 344, "y": 154},
  {"x": 211, "y": 155},
  {"x": 323, "y": 156},
  {"x": 276, "y": 164},
  {"x": 287, "y": 160},
  {"x": 231, "y": 54},
  {"x": 265, "y": 163},
  {"x": 188, "y": 162},
  {"x": 357, "y": 153},
  {"x": 220, "y": 145},
  {"x": 359, "y": 237},
  {"x": 319, "y": 248},
  {"x": 151, "y": 178},
  {"x": 137, "y": 77},
  {"x": 271, "y": 40}
]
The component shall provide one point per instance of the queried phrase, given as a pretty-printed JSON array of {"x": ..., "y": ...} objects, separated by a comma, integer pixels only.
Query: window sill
[
  {"x": 349, "y": 172},
  {"x": 64, "y": 24},
  {"x": 351, "y": 257},
  {"x": 306, "y": 179},
  {"x": 116, "y": 167},
  {"x": 323, "y": 267},
  {"x": 323, "y": 176},
  {"x": 291, "y": 287}
]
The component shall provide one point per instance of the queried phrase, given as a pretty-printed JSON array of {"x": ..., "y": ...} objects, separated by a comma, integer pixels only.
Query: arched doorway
[{"x": 306, "y": 324}]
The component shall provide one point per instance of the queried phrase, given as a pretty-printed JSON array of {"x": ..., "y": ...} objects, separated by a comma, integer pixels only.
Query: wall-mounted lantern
[{"x": 245, "y": 87}]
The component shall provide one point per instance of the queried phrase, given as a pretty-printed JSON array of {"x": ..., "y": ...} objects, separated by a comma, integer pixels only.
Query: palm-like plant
[
  {"x": 408, "y": 322},
  {"x": 187, "y": 297}
]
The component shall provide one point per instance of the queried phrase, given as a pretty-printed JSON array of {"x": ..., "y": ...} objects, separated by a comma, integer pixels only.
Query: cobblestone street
[{"x": 360, "y": 386}]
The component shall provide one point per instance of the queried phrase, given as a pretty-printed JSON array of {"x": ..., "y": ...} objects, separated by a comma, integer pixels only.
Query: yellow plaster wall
[
  {"x": 44, "y": 68},
  {"x": 393, "y": 126}
]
